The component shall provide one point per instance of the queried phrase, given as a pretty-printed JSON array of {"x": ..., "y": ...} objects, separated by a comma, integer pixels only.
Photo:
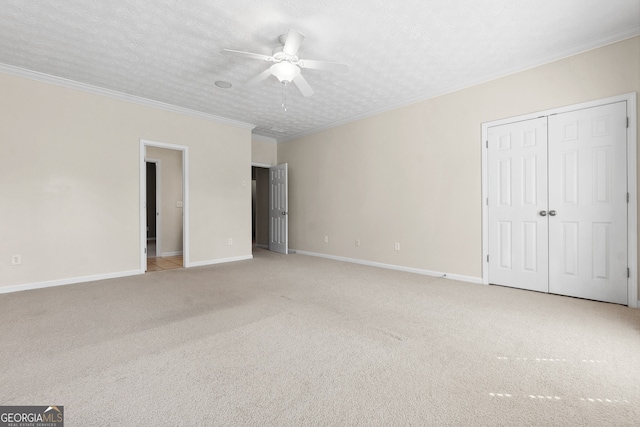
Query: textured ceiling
[{"x": 399, "y": 51}]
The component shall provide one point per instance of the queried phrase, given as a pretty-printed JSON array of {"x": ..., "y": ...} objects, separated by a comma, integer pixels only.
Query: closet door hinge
[
  {"x": 145, "y": 250},
  {"x": 628, "y": 273},
  {"x": 487, "y": 258},
  {"x": 627, "y": 122},
  {"x": 487, "y": 143},
  {"x": 627, "y": 197}
]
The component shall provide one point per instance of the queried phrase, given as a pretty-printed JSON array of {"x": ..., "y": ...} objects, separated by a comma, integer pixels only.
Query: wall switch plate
[
  {"x": 179, "y": 204},
  {"x": 326, "y": 239},
  {"x": 230, "y": 241},
  {"x": 16, "y": 260},
  {"x": 357, "y": 242},
  {"x": 397, "y": 246}
]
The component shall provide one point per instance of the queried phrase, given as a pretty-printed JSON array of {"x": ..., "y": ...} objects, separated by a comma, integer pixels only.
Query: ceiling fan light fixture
[{"x": 285, "y": 71}]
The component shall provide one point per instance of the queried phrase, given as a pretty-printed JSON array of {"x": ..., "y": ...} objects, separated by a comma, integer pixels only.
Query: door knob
[
  {"x": 552, "y": 213},
  {"x": 543, "y": 213}
]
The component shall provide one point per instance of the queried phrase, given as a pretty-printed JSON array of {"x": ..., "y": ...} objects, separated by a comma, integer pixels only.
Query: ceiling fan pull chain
[{"x": 284, "y": 96}]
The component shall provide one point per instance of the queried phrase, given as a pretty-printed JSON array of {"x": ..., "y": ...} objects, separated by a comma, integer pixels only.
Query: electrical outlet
[
  {"x": 179, "y": 204},
  {"x": 326, "y": 239},
  {"x": 357, "y": 242},
  {"x": 230, "y": 241},
  {"x": 397, "y": 246},
  {"x": 16, "y": 260}
]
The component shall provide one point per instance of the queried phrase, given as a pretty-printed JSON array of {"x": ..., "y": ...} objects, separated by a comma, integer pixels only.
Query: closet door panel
[
  {"x": 588, "y": 203},
  {"x": 518, "y": 234}
]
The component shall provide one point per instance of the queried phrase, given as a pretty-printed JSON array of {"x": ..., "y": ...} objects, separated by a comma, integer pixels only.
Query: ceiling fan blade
[
  {"x": 247, "y": 54},
  {"x": 260, "y": 77},
  {"x": 302, "y": 84},
  {"x": 293, "y": 42},
  {"x": 324, "y": 65}
]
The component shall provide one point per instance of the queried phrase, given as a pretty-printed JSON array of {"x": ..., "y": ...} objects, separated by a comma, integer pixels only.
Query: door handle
[
  {"x": 284, "y": 213},
  {"x": 543, "y": 213},
  {"x": 552, "y": 213}
]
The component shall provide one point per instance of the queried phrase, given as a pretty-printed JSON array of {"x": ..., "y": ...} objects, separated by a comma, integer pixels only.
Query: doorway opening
[
  {"x": 164, "y": 206},
  {"x": 153, "y": 213},
  {"x": 260, "y": 206},
  {"x": 270, "y": 207}
]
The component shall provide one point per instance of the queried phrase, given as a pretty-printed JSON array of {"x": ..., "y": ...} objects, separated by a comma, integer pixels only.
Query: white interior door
[
  {"x": 517, "y": 205},
  {"x": 588, "y": 203},
  {"x": 278, "y": 209}
]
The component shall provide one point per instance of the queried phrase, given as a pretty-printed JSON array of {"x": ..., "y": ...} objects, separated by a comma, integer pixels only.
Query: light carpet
[{"x": 295, "y": 340}]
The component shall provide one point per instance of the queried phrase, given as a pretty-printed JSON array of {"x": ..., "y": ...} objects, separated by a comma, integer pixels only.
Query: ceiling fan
[{"x": 287, "y": 65}]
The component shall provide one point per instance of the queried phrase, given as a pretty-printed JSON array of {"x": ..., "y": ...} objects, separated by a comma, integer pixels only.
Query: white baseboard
[
  {"x": 165, "y": 254},
  {"x": 477, "y": 280},
  {"x": 219, "y": 261},
  {"x": 70, "y": 281}
]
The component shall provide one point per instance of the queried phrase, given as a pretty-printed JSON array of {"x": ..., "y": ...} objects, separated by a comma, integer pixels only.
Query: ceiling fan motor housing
[{"x": 279, "y": 55}]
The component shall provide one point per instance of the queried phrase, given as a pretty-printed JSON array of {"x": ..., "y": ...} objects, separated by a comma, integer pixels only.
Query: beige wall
[
  {"x": 69, "y": 168},
  {"x": 413, "y": 175},
  {"x": 170, "y": 193},
  {"x": 264, "y": 153}
]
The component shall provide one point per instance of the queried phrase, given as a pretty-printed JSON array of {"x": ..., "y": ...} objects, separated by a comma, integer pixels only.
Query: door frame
[
  {"x": 632, "y": 206},
  {"x": 158, "y": 164},
  {"x": 262, "y": 166},
  {"x": 143, "y": 200}
]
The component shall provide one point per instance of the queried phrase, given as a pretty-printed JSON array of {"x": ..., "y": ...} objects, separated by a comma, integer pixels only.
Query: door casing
[
  {"x": 143, "y": 200},
  {"x": 632, "y": 209}
]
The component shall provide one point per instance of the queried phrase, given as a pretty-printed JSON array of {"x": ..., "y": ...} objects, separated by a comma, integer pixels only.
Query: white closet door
[
  {"x": 588, "y": 195},
  {"x": 518, "y": 233}
]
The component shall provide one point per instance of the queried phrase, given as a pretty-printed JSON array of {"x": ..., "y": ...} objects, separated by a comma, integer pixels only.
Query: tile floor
[
  {"x": 167, "y": 263},
  {"x": 158, "y": 264}
]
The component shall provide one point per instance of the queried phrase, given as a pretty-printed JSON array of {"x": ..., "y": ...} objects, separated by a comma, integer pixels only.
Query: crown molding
[
  {"x": 95, "y": 90},
  {"x": 616, "y": 37}
]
